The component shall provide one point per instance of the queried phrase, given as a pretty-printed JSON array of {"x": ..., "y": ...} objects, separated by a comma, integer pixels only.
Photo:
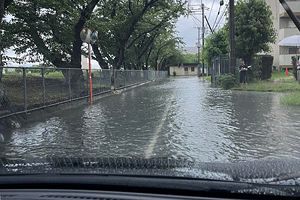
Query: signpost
[{"x": 89, "y": 37}]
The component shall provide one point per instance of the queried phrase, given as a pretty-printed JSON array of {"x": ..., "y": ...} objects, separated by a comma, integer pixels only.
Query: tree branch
[
  {"x": 103, "y": 64},
  {"x": 77, "y": 43},
  {"x": 145, "y": 32},
  {"x": 130, "y": 6}
]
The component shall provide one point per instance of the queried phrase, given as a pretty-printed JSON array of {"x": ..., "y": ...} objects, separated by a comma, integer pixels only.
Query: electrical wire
[
  {"x": 196, "y": 19},
  {"x": 223, "y": 14},
  {"x": 217, "y": 17},
  {"x": 211, "y": 9}
]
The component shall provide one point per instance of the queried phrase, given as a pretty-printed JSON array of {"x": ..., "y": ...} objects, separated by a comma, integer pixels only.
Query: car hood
[{"x": 275, "y": 171}]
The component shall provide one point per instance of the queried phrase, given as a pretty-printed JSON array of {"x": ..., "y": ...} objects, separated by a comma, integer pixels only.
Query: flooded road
[{"x": 179, "y": 117}]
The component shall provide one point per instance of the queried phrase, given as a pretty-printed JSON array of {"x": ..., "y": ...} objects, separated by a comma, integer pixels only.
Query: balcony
[
  {"x": 286, "y": 60},
  {"x": 294, "y": 5},
  {"x": 286, "y": 32}
]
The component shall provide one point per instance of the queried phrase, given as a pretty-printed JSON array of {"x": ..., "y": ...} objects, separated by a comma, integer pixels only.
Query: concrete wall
[
  {"x": 181, "y": 72},
  {"x": 274, "y": 5},
  {"x": 284, "y": 27}
]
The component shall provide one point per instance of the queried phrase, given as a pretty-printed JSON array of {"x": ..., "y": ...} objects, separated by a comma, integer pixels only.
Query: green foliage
[
  {"x": 261, "y": 68},
  {"x": 131, "y": 32},
  {"x": 227, "y": 81},
  {"x": 190, "y": 58},
  {"x": 216, "y": 45},
  {"x": 254, "y": 28}
]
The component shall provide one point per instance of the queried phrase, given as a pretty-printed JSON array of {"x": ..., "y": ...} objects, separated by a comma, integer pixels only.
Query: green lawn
[
  {"x": 278, "y": 83},
  {"x": 271, "y": 86},
  {"x": 292, "y": 99},
  {"x": 56, "y": 88},
  {"x": 207, "y": 78}
]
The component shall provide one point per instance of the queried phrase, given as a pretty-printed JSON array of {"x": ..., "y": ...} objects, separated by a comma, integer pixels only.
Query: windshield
[{"x": 198, "y": 89}]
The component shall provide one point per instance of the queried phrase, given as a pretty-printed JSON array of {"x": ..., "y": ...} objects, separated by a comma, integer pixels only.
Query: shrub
[
  {"x": 174, "y": 73},
  {"x": 266, "y": 67},
  {"x": 227, "y": 81},
  {"x": 261, "y": 68}
]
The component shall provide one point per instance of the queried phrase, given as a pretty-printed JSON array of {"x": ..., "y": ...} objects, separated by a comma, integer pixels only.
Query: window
[
  {"x": 193, "y": 69},
  {"x": 186, "y": 69},
  {"x": 293, "y": 50}
]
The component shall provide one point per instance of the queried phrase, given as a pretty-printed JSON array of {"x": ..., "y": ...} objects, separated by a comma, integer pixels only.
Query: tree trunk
[
  {"x": 1, "y": 10},
  {"x": 248, "y": 60},
  {"x": 103, "y": 64},
  {"x": 1, "y": 68},
  {"x": 120, "y": 58}
]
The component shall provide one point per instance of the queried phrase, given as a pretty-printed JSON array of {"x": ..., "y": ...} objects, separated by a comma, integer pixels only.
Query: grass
[
  {"x": 292, "y": 99},
  {"x": 278, "y": 83},
  {"x": 56, "y": 88},
  {"x": 207, "y": 78},
  {"x": 271, "y": 86}
]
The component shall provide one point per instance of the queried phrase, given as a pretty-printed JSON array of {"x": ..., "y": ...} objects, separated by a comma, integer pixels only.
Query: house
[
  {"x": 184, "y": 70},
  {"x": 284, "y": 27}
]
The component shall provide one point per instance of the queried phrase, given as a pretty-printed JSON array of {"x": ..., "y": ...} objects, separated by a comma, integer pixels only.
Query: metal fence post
[
  {"x": 87, "y": 81},
  {"x": 44, "y": 86},
  {"x": 69, "y": 82},
  {"x": 100, "y": 87},
  {"x": 25, "y": 89},
  {"x": 124, "y": 72},
  {"x": 114, "y": 74}
]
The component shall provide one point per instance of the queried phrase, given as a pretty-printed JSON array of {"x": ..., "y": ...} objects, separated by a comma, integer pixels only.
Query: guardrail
[{"x": 27, "y": 89}]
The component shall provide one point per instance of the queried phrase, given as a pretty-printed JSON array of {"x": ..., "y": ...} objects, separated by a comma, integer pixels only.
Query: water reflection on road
[{"x": 180, "y": 117}]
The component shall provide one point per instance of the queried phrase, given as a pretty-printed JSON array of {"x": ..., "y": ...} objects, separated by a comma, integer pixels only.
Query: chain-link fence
[
  {"x": 220, "y": 66},
  {"x": 25, "y": 89}
]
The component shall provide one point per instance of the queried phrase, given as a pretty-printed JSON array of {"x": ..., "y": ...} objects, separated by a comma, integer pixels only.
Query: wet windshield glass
[{"x": 200, "y": 89}]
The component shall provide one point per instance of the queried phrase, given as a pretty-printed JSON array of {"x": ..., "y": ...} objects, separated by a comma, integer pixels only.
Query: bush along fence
[
  {"x": 261, "y": 69},
  {"x": 220, "y": 66},
  {"x": 27, "y": 89}
]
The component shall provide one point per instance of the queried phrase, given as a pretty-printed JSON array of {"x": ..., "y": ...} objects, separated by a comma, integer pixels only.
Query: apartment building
[{"x": 284, "y": 27}]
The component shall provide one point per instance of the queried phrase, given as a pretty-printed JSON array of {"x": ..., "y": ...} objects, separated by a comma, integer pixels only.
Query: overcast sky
[{"x": 186, "y": 26}]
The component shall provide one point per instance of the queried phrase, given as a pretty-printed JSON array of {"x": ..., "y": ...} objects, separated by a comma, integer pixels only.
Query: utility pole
[
  {"x": 198, "y": 45},
  {"x": 203, "y": 35},
  {"x": 232, "y": 54}
]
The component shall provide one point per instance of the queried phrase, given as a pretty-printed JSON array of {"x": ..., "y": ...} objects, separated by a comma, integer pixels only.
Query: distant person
[{"x": 243, "y": 72}]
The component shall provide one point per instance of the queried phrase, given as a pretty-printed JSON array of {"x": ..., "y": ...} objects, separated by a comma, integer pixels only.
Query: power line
[
  {"x": 217, "y": 16},
  {"x": 211, "y": 9},
  {"x": 223, "y": 14},
  {"x": 196, "y": 19}
]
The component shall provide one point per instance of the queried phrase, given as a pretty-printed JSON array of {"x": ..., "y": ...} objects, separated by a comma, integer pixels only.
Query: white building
[
  {"x": 284, "y": 27},
  {"x": 184, "y": 70}
]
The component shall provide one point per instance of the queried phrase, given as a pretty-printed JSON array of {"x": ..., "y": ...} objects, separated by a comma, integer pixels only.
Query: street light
[{"x": 89, "y": 37}]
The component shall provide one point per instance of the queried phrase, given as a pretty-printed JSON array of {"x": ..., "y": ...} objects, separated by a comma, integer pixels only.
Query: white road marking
[{"x": 150, "y": 148}]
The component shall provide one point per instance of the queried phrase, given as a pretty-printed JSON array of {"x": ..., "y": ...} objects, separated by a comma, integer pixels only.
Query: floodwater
[{"x": 178, "y": 117}]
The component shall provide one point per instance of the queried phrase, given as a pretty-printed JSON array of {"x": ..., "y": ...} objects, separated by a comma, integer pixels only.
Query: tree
[
  {"x": 254, "y": 28},
  {"x": 190, "y": 58},
  {"x": 216, "y": 44},
  {"x": 50, "y": 30},
  {"x": 128, "y": 24},
  {"x": 3, "y": 5}
]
